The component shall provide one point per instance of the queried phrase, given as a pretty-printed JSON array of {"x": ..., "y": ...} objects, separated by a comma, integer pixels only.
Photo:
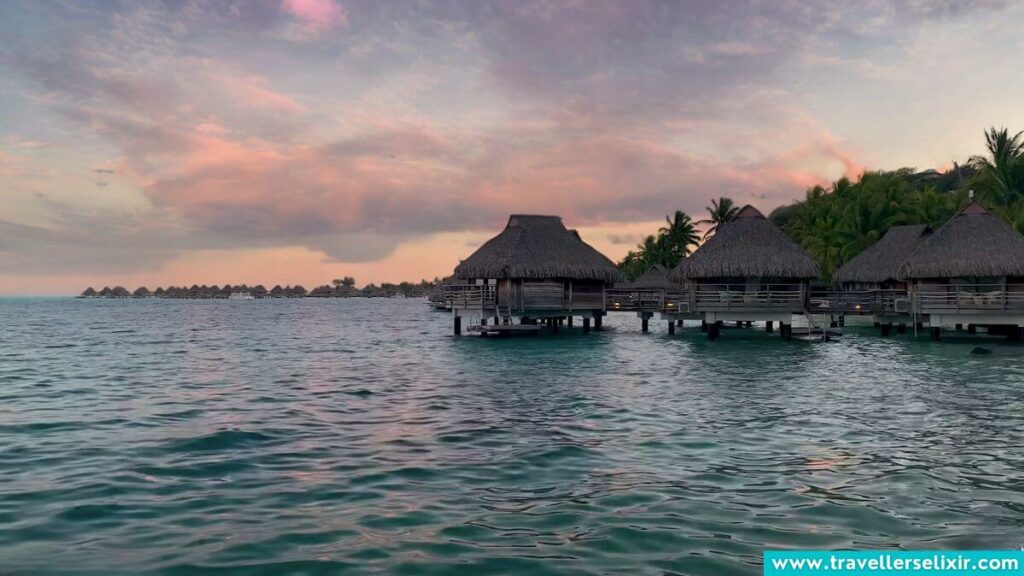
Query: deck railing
[
  {"x": 736, "y": 298},
  {"x": 967, "y": 299},
  {"x": 859, "y": 301},
  {"x": 471, "y": 297}
]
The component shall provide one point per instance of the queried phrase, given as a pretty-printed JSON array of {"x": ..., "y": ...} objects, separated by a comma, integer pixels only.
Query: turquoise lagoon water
[{"x": 358, "y": 436}]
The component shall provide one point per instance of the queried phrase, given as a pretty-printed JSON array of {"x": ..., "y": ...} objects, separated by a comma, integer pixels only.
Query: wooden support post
[
  {"x": 713, "y": 331},
  {"x": 703, "y": 326},
  {"x": 597, "y": 322},
  {"x": 842, "y": 320},
  {"x": 972, "y": 329},
  {"x": 457, "y": 325},
  {"x": 769, "y": 326},
  {"x": 878, "y": 324},
  {"x": 919, "y": 326},
  {"x": 786, "y": 330},
  {"x": 886, "y": 328},
  {"x": 834, "y": 323},
  {"x": 936, "y": 333},
  {"x": 483, "y": 321},
  {"x": 554, "y": 325},
  {"x": 679, "y": 322},
  {"x": 959, "y": 327},
  {"x": 568, "y": 321},
  {"x": 901, "y": 328},
  {"x": 671, "y": 327},
  {"x": 643, "y": 325},
  {"x": 586, "y": 325}
]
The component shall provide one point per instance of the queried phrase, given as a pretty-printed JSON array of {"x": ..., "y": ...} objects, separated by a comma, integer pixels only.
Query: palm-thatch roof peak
[
  {"x": 883, "y": 260},
  {"x": 749, "y": 211},
  {"x": 537, "y": 247},
  {"x": 749, "y": 246},
  {"x": 973, "y": 243},
  {"x": 657, "y": 276}
]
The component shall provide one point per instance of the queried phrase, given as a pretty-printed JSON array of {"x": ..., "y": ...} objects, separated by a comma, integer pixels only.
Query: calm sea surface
[{"x": 356, "y": 436}]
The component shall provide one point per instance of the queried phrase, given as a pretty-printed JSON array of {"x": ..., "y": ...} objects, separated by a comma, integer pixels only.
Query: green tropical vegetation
[
  {"x": 837, "y": 222},
  {"x": 673, "y": 242}
]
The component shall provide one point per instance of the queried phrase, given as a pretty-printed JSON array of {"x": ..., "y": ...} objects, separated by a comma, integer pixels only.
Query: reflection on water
[{"x": 309, "y": 436}]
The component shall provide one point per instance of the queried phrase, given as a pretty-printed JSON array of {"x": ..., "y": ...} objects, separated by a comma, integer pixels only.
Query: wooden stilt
[
  {"x": 901, "y": 328},
  {"x": 878, "y": 324},
  {"x": 568, "y": 321},
  {"x": 457, "y": 325},
  {"x": 972, "y": 329},
  {"x": 643, "y": 325},
  {"x": 958, "y": 327},
  {"x": 842, "y": 320},
  {"x": 671, "y": 326},
  {"x": 597, "y": 322},
  {"x": 936, "y": 333},
  {"x": 713, "y": 331},
  {"x": 703, "y": 326},
  {"x": 586, "y": 325},
  {"x": 769, "y": 326},
  {"x": 886, "y": 328}
]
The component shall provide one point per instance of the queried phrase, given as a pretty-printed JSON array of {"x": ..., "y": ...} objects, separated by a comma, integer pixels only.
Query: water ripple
[{"x": 356, "y": 436}]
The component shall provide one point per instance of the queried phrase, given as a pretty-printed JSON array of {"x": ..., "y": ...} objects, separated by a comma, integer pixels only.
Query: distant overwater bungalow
[
  {"x": 748, "y": 271},
  {"x": 535, "y": 272},
  {"x": 970, "y": 271},
  {"x": 871, "y": 283}
]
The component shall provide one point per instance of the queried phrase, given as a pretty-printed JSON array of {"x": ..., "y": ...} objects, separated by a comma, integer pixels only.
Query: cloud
[
  {"x": 424, "y": 118},
  {"x": 315, "y": 16}
]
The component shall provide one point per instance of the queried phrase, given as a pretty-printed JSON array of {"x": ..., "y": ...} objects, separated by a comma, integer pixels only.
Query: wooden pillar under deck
[
  {"x": 597, "y": 322},
  {"x": 769, "y": 326},
  {"x": 972, "y": 329},
  {"x": 713, "y": 331},
  {"x": 568, "y": 321},
  {"x": 936, "y": 333},
  {"x": 643, "y": 324},
  {"x": 457, "y": 325},
  {"x": 703, "y": 326},
  {"x": 671, "y": 326},
  {"x": 959, "y": 327},
  {"x": 886, "y": 328},
  {"x": 901, "y": 328},
  {"x": 586, "y": 325}
]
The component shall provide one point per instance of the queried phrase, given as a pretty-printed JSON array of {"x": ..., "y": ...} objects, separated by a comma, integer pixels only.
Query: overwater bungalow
[
  {"x": 141, "y": 292},
  {"x": 534, "y": 271},
  {"x": 969, "y": 271},
  {"x": 748, "y": 271},
  {"x": 89, "y": 292},
  {"x": 871, "y": 283},
  {"x": 652, "y": 292}
]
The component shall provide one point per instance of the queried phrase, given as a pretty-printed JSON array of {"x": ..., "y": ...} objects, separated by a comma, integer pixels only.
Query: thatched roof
[
  {"x": 537, "y": 247},
  {"x": 748, "y": 247},
  {"x": 654, "y": 278},
  {"x": 972, "y": 243},
  {"x": 883, "y": 260}
]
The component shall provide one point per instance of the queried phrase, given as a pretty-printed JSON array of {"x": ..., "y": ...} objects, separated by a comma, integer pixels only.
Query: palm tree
[
  {"x": 679, "y": 234},
  {"x": 721, "y": 211},
  {"x": 1003, "y": 171}
]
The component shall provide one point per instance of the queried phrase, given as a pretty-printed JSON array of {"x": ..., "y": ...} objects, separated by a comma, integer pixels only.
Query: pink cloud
[{"x": 316, "y": 15}]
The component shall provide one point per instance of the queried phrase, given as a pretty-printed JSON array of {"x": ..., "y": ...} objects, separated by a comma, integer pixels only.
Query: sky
[{"x": 297, "y": 141}]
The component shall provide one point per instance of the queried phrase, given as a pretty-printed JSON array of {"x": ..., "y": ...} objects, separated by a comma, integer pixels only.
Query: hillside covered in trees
[{"x": 835, "y": 223}]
